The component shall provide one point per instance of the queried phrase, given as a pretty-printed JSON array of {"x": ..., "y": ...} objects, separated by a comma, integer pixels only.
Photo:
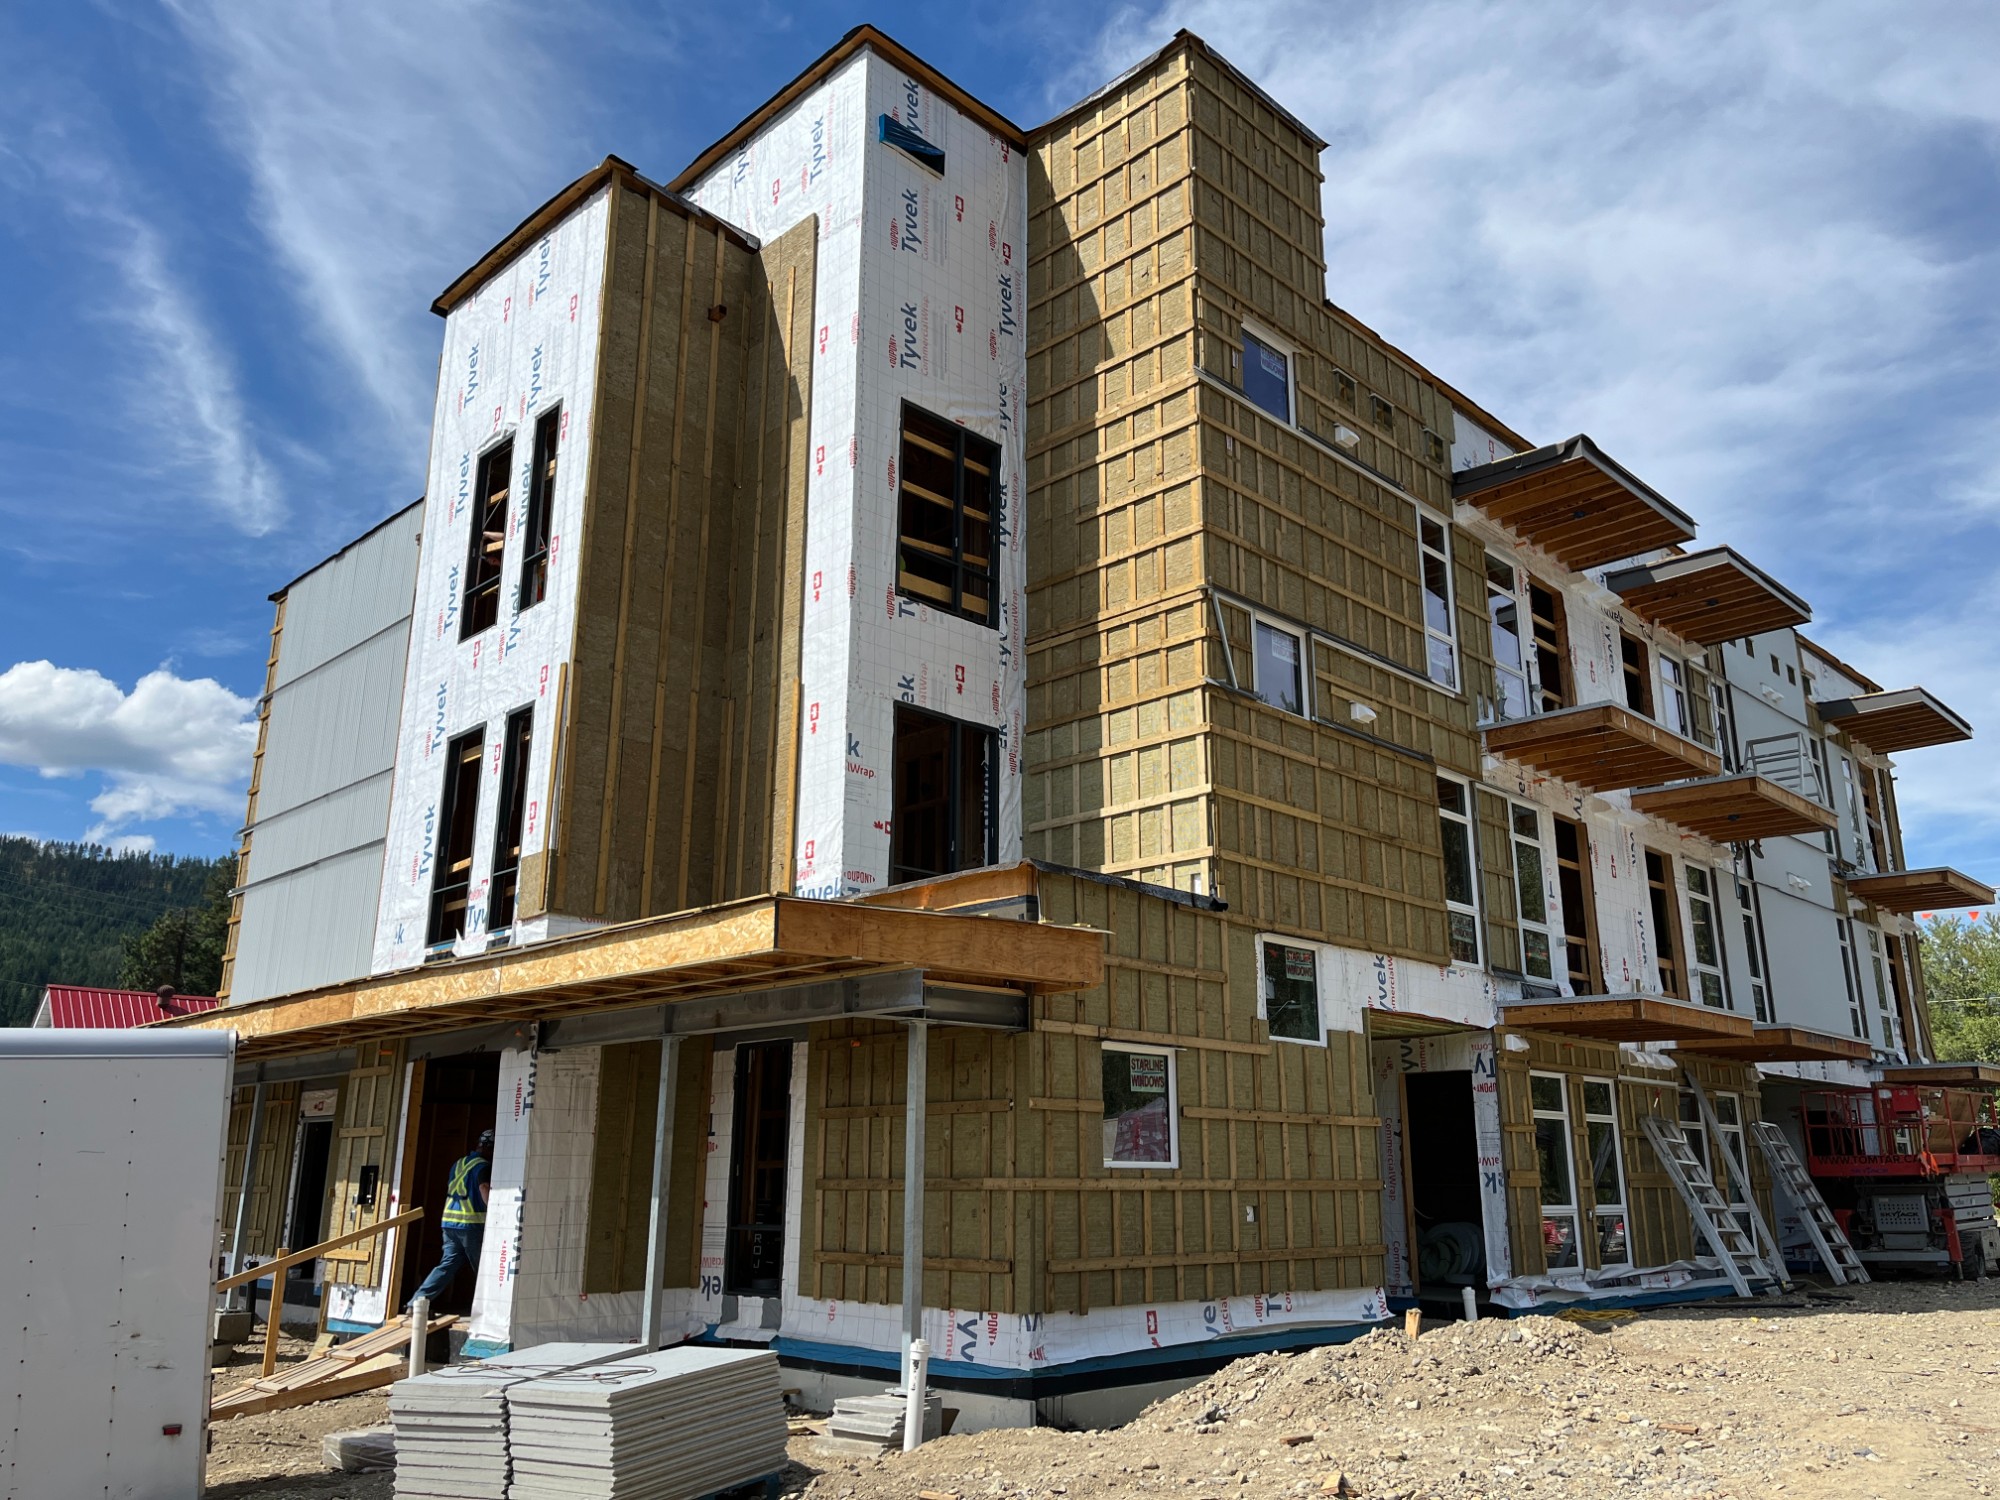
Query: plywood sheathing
[
  {"x": 1657, "y": 1224},
  {"x": 1165, "y": 210},
  {"x": 271, "y": 1173},
  {"x": 678, "y": 746}
]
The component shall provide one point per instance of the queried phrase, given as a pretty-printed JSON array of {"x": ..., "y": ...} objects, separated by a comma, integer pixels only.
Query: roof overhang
[
  {"x": 1940, "y": 888},
  {"x": 1601, "y": 747},
  {"x": 770, "y": 960},
  {"x": 1709, "y": 596},
  {"x": 1575, "y": 503},
  {"x": 1906, "y": 719},
  {"x": 1964, "y": 1075},
  {"x": 1784, "y": 1044},
  {"x": 1627, "y": 1018},
  {"x": 1734, "y": 809}
]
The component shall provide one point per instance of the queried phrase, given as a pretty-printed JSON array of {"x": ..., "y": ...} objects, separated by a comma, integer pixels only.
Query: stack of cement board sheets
[
  {"x": 451, "y": 1425},
  {"x": 674, "y": 1425}
]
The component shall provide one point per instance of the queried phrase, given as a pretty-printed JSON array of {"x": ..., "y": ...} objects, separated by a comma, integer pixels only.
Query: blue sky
[{"x": 1751, "y": 249}]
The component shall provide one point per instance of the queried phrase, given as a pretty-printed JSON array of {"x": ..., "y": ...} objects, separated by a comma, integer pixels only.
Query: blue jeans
[{"x": 461, "y": 1253}]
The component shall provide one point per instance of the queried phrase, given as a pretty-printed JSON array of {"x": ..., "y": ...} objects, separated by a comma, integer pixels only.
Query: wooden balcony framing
[
  {"x": 1734, "y": 809},
  {"x": 1939, "y": 888},
  {"x": 1905, "y": 719},
  {"x": 1784, "y": 1044},
  {"x": 1602, "y": 747},
  {"x": 1628, "y": 1018},
  {"x": 1574, "y": 503},
  {"x": 1959, "y": 1075},
  {"x": 1708, "y": 596}
]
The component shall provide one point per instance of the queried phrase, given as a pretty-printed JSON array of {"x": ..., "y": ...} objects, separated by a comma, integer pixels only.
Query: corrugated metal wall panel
[
  {"x": 327, "y": 826},
  {"x": 334, "y": 727},
  {"x": 312, "y": 927},
  {"x": 350, "y": 597}
]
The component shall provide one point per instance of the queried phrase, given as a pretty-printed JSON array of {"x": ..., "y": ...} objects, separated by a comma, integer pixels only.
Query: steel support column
[
  {"x": 916, "y": 1089},
  {"x": 663, "y": 1151}
]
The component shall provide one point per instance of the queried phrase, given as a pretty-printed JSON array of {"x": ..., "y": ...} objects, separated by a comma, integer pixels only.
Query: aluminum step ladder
[
  {"x": 1714, "y": 1221},
  {"x": 1836, "y": 1252},
  {"x": 1766, "y": 1242}
]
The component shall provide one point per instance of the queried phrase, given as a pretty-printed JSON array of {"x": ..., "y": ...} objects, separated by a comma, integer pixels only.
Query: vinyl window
[
  {"x": 1753, "y": 951},
  {"x": 1460, "y": 870},
  {"x": 1291, "y": 992},
  {"x": 1857, "y": 1007},
  {"x": 1141, "y": 1106},
  {"x": 486, "y": 547},
  {"x": 1729, "y": 1120},
  {"x": 1607, "y": 1172},
  {"x": 1883, "y": 1002},
  {"x": 1279, "y": 664},
  {"x": 1674, "y": 713},
  {"x": 1706, "y": 962},
  {"x": 537, "y": 528},
  {"x": 1503, "y": 627},
  {"x": 1556, "y": 1168},
  {"x": 1267, "y": 375},
  {"x": 948, "y": 485},
  {"x": 1531, "y": 892},
  {"x": 1441, "y": 642}
]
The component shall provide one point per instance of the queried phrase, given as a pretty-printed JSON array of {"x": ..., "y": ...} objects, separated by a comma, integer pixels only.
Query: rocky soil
[{"x": 1884, "y": 1390}]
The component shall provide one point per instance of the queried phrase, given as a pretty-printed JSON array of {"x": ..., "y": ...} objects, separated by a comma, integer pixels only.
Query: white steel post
[
  {"x": 663, "y": 1150},
  {"x": 916, "y": 1087}
]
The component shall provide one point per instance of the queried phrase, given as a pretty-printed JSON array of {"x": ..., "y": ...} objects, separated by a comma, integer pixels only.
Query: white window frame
[
  {"x": 1172, "y": 1055},
  {"x": 1470, "y": 819},
  {"x": 1850, "y": 970},
  {"x": 1550, "y": 922},
  {"x": 1523, "y": 639},
  {"x": 1249, "y": 328},
  {"x": 1567, "y": 1210},
  {"x": 1885, "y": 1004},
  {"x": 1671, "y": 709},
  {"x": 1697, "y": 970},
  {"x": 1448, "y": 636},
  {"x": 1601, "y": 1209},
  {"x": 1266, "y": 940},
  {"x": 1302, "y": 638},
  {"x": 1753, "y": 949},
  {"x": 1725, "y": 723},
  {"x": 1736, "y": 1143}
]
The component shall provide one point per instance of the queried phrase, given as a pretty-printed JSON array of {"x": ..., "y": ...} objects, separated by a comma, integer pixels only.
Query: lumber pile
[{"x": 361, "y": 1364}]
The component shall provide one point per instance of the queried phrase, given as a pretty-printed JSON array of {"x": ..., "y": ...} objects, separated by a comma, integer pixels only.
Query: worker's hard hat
[{"x": 485, "y": 1140}]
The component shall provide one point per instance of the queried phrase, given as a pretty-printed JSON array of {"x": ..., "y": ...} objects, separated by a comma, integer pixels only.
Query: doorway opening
[
  {"x": 759, "y": 1147},
  {"x": 1444, "y": 1180},
  {"x": 460, "y": 1099},
  {"x": 309, "y": 1204}
]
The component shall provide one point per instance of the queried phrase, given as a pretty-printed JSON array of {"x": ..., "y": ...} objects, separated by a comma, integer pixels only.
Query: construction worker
[{"x": 463, "y": 1220}]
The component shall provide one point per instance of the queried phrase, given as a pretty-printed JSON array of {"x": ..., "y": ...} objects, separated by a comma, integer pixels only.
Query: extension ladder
[
  {"x": 1766, "y": 1242},
  {"x": 1821, "y": 1227},
  {"x": 1713, "y": 1219}
]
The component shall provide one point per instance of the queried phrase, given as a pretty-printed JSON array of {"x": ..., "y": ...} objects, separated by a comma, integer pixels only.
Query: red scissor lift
[{"x": 1905, "y": 1169}]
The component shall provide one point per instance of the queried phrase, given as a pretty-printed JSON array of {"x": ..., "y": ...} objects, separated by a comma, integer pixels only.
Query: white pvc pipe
[
  {"x": 420, "y": 1328},
  {"x": 1471, "y": 1305},
  {"x": 913, "y": 1409}
]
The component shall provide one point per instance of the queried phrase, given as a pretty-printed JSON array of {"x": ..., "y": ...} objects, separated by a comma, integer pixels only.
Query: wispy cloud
[
  {"x": 170, "y": 747},
  {"x": 387, "y": 146}
]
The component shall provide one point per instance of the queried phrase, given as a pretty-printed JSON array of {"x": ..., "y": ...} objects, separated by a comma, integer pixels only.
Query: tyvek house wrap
[
  {"x": 919, "y": 298},
  {"x": 523, "y": 344}
]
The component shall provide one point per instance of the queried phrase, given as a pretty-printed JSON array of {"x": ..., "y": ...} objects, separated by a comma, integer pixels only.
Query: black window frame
[
  {"x": 449, "y": 895},
  {"x": 962, "y": 731},
  {"x": 517, "y": 742},
  {"x": 486, "y": 565},
  {"x": 965, "y": 441},
  {"x": 538, "y": 525}
]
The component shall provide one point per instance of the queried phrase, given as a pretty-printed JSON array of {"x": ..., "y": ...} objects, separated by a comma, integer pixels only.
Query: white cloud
[
  {"x": 169, "y": 747},
  {"x": 388, "y": 146}
]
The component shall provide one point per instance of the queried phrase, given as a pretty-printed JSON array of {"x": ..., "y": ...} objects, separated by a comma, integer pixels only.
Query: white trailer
[{"x": 111, "y": 1148}]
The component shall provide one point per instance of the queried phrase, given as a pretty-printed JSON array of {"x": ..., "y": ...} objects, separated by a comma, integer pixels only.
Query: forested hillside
[{"x": 69, "y": 913}]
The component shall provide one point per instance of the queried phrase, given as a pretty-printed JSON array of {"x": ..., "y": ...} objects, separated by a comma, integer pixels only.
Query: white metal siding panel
[
  {"x": 334, "y": 727},
  {"x": 312, "y": 927},
  {"x": 350, "y": 597},
  {"x": 326, "y": 827}
]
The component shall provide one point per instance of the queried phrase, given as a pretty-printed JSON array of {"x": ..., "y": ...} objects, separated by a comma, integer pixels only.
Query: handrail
[{"x": 312, "y": 1252}]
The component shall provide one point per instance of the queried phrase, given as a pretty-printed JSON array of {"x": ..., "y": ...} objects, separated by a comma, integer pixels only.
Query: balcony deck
[
  {"x": 1734, "y": 809},
  {"x": 1601, "y": 747}
]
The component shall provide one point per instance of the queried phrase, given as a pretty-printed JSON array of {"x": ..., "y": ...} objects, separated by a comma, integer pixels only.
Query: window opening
[
  {"x": 1267, "y": 376},
  {"x": 486, "y": 548},
  {"x": 1725, "y": 724},
  {"x": 1382, "y": 414},
  {"x": 1578, "y": 910},
  {"x": 541, "y": 510},
  {"x": 1753, "y": 949},
  {"x": 1871, "y": 811},
  {"x": 1830, "y": 839},
  {"x": 1897, "y": 981},
  {"x": 1607, "y": 1172},
  {"x": 1531, "y": 893},
  {"x": 1461, "y": 901},
  {"x": 1344, "y": 389},
  {"x": 1705, "y": 957},
  {"x": 1278, "y": 665},
  {"x": 458, "y": 820},
  {"x": 1883, "y": 1002},
  {"x": 1503, "y": 619},
  {"x": 1638, "y": 683},
  {"x": 1673, "y": 697},
  {"x": 1551, "y": 635},
  {"x": 1666, "y": 924},
  {"x": 1141, "y": 1113},
  {"x": 1857, "y": 1010},
  {"x": 941, "y": 819},
  {"x": 1291, "y": 992},
  {"x": 1553, "y": 1159},
  {"x": 516, "y": 741},
  {"x": 754, "y": 1263},
  {"x": 945, "y": 544},
  {"x": 1434, "y": 556}
]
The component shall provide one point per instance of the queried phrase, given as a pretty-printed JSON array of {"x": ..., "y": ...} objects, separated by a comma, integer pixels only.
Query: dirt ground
[{"x": 1883, "y": 1390}]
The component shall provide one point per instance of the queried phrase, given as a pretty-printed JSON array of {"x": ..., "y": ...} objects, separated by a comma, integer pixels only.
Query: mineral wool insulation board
[
  {"x": 919, "y": 299},
  {"x": 521, "y": 346}
]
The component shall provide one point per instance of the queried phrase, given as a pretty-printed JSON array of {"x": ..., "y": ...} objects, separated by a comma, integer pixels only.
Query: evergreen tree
[{"x": 183, "y": 948}]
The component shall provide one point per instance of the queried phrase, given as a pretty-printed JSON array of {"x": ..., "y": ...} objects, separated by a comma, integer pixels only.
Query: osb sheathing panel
[
  {"x": 1658, "y": 1228},
  {"x": 677, "y": 753},
  {"x": 1021, "y": 1215}
]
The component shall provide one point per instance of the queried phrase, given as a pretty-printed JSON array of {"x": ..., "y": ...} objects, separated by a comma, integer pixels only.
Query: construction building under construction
[{"x": 961, "y": 752}]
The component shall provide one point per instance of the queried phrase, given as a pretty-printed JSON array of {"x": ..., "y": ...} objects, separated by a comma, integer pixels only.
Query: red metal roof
[{"x": 70, "y": 1006}]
